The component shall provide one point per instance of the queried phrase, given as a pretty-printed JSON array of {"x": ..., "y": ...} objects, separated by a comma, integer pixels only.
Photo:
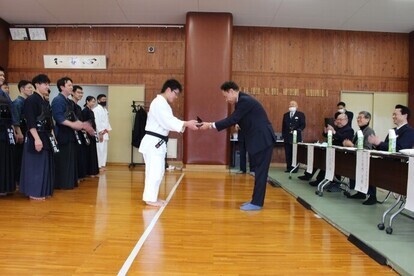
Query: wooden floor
[{"x": 93, "y": 229}]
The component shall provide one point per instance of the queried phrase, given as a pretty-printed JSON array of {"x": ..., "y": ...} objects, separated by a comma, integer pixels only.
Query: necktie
[{"x": 291, "y": 115}]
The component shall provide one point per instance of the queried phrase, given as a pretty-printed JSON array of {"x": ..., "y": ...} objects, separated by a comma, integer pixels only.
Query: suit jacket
[
  {"x": 405, "y": 138},
  {"x": 297, "y": 122},
  {"x": 366, "y": 131},
  {"x": 341, "y": 134},
  {"x": 252, "y": 119}
]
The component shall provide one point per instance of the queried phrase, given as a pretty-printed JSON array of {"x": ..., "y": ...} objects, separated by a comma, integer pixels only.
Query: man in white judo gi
[
  {"x": 153, "y": 146},
  {"x": 102, "y": 128}
]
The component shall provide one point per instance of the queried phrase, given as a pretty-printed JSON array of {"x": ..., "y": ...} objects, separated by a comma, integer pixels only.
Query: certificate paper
[{"x": 362, "y": 171}]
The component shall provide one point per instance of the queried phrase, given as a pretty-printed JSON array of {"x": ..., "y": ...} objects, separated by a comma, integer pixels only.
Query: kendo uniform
[
  {"x": 154, "y": 144},
  {"x": 17, "y": 109},
  {"x": 37, "y": 173},
  {"x": 66, "y": 170},
  {"x": 82, "y": 140},
  {"x": 7, "y": 142},
  {"x": 102, "y": 123},
  {"x": 91, "y": 155}
]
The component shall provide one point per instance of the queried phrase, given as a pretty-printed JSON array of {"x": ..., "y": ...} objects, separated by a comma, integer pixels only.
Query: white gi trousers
[
  {"x": 102, "y": 151},
  {"x": 154, "y": 159}
]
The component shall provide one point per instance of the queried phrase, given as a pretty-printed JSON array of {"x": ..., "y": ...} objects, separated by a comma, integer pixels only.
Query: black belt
[{"x": 165, "y": 138}]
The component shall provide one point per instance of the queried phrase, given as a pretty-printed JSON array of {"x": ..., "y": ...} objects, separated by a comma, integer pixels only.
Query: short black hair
[
  {"x": 76, "y": 87},
  {"x": 173, "y": 84},
  {"x": 100, "y": 96},
  {"x": 2, "y": 69},
  {"x": 88, "y": 99},
  {"x": 341, "y": 103},
  {"x": 404, "y": 110},
  {"x": 5, "y": 83},
  {"x": 229, "y": 85},
  {"x": 62, "y": 82},
  {"x": 22, "y": 83},
  {"x": 39, "y": 79}
]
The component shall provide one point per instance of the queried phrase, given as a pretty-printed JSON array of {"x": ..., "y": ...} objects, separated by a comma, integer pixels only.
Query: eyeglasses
[{"x": 176, "y": 92}]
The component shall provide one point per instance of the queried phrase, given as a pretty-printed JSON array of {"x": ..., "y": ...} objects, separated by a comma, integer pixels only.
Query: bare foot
[
  {"x": 157, "y": 203},
  {"x": 37, "y": 198}
]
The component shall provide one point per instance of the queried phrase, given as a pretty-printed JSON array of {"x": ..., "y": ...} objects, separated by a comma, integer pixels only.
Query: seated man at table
[
  {"x": 405, "y": 137},
  {"x": 363, "y": 119},
  {"x": 340, "y": 132}
]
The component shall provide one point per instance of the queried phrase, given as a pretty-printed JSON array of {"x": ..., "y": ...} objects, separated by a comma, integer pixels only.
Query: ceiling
[{"x": 361, "y": 15}]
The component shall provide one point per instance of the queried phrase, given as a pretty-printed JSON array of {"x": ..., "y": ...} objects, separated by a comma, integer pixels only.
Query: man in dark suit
[
  {"x": 292, "y": 120},
  {"x": 250, "y": 115},
  {"x": 405, "y": 140},
  {"x": 340, "y": 132}
]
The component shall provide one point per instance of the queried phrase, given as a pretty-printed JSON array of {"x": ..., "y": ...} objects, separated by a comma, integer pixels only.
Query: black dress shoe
[
  {"x": 359, "y": 195},
  {"x": 287, "y": 171},
  {"x": 304, "y": 177},
  {"x": 347, "y": 194},
  {"x": 370, "y": 201},
  {"x": 314, "y": 183}
]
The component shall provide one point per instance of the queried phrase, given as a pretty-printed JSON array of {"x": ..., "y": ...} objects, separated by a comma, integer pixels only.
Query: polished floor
[{"x": 103, "y": 228}]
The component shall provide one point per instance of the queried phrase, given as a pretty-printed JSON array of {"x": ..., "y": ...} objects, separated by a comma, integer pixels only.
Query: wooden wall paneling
[{"x": 263, "y": 58}]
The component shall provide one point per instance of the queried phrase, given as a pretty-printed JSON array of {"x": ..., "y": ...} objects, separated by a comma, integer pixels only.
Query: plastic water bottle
[
  {"x": 329, "y": 138},
  {"x": 392, "y": 141},
  {"x": 360, "y": 143},
  {"x": 295, "y": 137}
]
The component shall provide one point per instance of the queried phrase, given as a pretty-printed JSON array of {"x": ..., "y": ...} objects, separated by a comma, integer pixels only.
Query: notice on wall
[{"x": 74, "y": 61}]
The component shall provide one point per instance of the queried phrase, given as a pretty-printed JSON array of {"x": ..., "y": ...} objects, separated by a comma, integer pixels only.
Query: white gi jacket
[
  {"x": 102, "y": 120},
  {"x": 160, "y": 120}
]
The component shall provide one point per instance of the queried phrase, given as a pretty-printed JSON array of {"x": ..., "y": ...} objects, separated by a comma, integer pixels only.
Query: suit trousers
[
  {"x": 262, "y": 161},
  {"x": 288, "y": 155}
]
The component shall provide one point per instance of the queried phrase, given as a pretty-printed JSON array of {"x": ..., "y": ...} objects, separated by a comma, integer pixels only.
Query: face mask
[
  {"x": 292, "y": 109},
  {"x": 341, "y": 110},
  {"x": 103, "y": 104}
]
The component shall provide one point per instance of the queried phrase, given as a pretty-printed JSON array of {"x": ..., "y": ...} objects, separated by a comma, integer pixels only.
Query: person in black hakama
[
  {"x": 37, "y": 172},
  {"x": 7, "y": 142},
  {"x": 26, "y": 89},
  {"x": 77, "y": 94},
  {"x": 66, "y": 171},
  {"x": 91, "y": 157}
]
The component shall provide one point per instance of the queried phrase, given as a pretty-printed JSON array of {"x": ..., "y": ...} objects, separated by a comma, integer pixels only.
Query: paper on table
[
  {"x": 310, "y": 159},
  {"x": 330, "y": 164},
  {"x": 294, "y": 154},
  {"x": 362, "y": 171},
  {"x": 409, "y": 204}
]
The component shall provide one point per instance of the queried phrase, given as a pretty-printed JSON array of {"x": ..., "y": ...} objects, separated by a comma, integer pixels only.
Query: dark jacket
[
  {"x": 297, "y": 122},
  {"x": 252, "y": 118},
  {"x": 405, "y": 139}
]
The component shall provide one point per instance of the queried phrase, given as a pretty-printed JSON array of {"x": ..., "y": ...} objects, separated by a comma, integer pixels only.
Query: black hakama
[
  {"x": 7, "y": 170},
  {"x": 37, "y": 174},
  {"x": 66, "y": 166}
]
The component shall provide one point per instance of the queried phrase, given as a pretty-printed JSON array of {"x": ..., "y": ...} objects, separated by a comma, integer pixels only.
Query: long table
[{"x": 387, "y": 171}]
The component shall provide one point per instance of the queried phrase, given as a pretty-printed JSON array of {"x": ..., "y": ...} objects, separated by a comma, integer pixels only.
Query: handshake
[{"x": 197, "y": 124}]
